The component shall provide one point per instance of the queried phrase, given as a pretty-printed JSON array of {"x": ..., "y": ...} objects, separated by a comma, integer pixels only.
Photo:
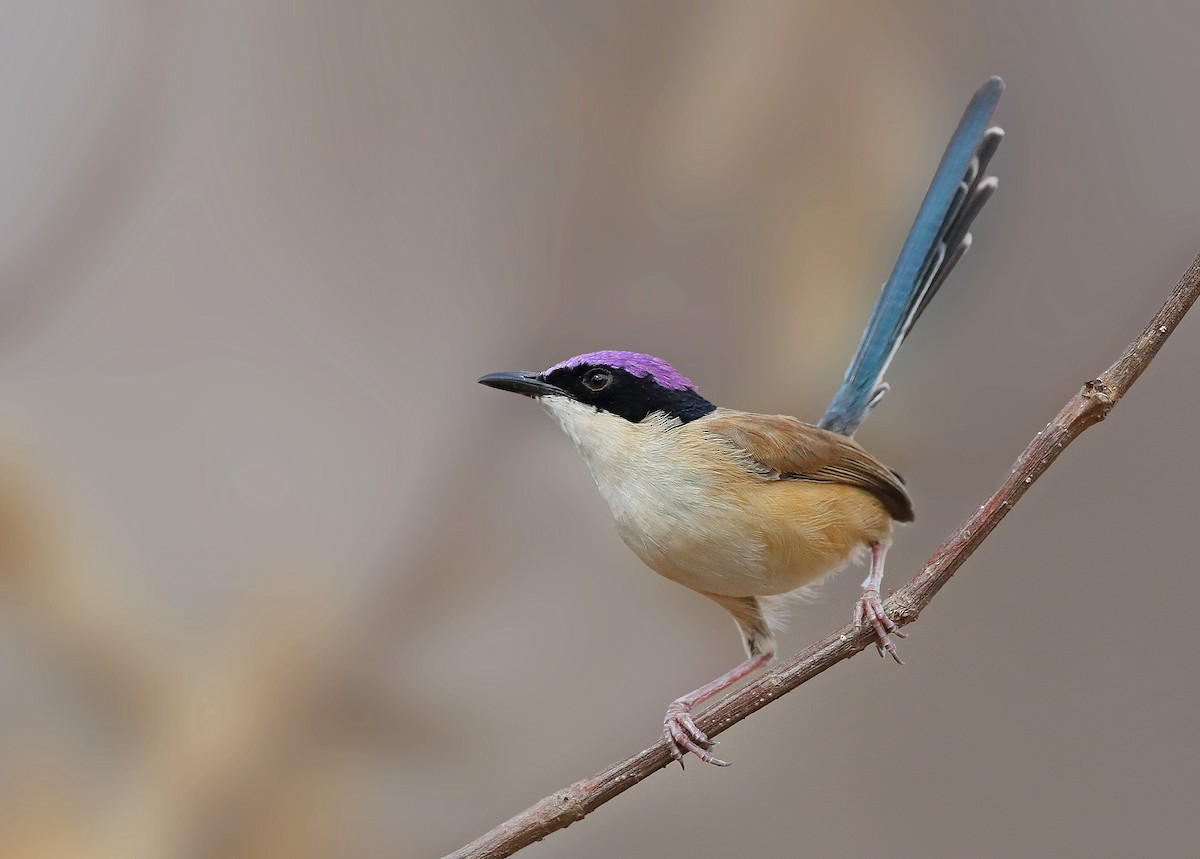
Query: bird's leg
[
  {"x": 870, "y": 606},
  {"x": 681, "y": 732}
]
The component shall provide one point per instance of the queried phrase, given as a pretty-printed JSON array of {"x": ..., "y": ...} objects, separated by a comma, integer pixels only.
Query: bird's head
[{"x": 625, "y": 385}]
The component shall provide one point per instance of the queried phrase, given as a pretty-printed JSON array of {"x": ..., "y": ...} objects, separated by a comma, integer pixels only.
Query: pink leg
[
  {"x": 870, "y": 606},
  {"x": 680, "y": 731}
]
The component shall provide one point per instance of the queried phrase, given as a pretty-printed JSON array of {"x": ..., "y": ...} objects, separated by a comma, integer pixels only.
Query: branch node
[
  {"x": 1099, "y": 391},
  {"x": 902, "y": 608}
]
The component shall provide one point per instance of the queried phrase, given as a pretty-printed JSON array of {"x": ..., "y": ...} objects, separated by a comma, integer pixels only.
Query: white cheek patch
[
  {"x": 601, "y": 438},
  {"x": 569, "y": 414},
  {"x": 561, "y": 407}
]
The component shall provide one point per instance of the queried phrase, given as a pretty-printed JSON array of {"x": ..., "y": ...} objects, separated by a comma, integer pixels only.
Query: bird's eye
[{"x": 597, "y": 380}]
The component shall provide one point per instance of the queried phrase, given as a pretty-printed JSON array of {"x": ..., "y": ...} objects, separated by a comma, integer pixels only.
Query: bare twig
[{"x": 1090, "y": 406}]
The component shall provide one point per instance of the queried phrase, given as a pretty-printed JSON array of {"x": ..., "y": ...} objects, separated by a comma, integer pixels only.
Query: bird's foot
[
  {"x": 870, "y": 609},
  {"x": 683, "y": 736}
]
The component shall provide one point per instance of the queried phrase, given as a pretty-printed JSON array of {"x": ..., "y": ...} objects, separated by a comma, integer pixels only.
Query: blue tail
[{"x": 937, "y": 241}]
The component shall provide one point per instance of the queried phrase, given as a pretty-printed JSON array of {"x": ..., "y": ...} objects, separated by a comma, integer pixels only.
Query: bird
[{"x": 745, "y": 508}]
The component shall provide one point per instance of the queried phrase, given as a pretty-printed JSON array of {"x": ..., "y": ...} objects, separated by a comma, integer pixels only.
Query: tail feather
[{"x": 937, "y": 241}]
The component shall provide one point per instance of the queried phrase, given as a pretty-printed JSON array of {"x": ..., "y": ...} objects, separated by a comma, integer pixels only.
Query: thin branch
[{"x": 1087, "y": 408}]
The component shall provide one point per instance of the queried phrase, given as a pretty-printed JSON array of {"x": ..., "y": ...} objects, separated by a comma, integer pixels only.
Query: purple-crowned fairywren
[{"x": 744, "y": 508}]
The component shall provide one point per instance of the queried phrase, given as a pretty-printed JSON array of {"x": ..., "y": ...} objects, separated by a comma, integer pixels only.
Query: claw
[
  {"x": 680, "y": 731},
  {"x": 870, "y": 609},
  {"x": 682, "y": 736}
]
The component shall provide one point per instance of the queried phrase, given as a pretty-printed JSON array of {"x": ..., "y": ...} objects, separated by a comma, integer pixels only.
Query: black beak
[{"x": 521, "y": 383}]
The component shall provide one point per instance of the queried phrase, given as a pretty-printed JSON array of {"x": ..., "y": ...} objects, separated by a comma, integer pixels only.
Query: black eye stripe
[{"x": 621, "y": 393}]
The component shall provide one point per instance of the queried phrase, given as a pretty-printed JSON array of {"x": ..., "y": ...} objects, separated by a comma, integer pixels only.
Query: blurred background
[{"x": 278, "y": 579}]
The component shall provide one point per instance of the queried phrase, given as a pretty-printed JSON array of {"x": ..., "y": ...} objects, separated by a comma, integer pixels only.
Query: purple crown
[{"x": 635, "y": 363}]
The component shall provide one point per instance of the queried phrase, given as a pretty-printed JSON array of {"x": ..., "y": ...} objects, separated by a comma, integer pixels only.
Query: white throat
[
  {"x": 662, "y": 498},
  {"x": 608, "y": 443}
]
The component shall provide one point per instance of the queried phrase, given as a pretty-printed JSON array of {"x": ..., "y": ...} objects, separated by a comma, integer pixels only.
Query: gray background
[{"x": 300, "y": 587}]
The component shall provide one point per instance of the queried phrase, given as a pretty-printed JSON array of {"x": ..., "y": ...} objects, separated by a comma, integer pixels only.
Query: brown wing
[{"x": 800, "y": 451}]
